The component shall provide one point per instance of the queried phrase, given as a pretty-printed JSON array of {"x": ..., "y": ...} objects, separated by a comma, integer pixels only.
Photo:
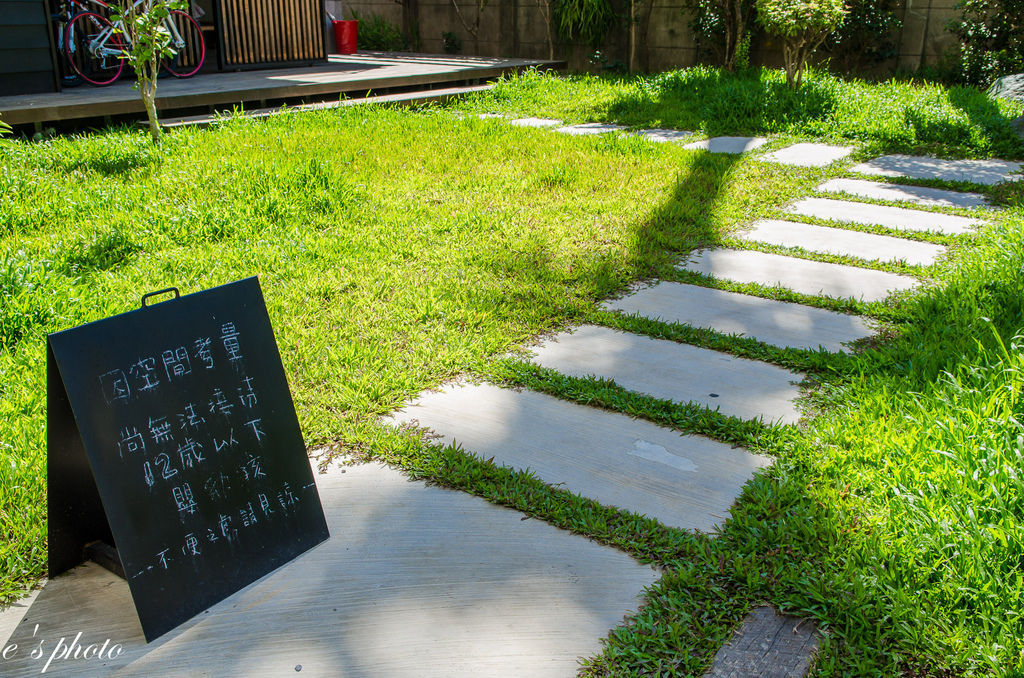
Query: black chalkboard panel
[{"x": 172, "y": 433}]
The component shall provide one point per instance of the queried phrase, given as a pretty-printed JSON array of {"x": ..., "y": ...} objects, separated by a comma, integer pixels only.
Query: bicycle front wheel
[
  {"x": 187, "y": 40},
  {"x": 94, "y": 51}
]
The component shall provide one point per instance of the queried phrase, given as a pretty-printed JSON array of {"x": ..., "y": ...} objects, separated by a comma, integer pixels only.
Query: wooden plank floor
[{"x": 342, "y": 73}]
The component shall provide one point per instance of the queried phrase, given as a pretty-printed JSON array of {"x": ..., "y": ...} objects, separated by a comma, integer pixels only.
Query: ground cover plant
[
  {"x": 895, "y": 116},
  {"x": 400, "y": 249}
]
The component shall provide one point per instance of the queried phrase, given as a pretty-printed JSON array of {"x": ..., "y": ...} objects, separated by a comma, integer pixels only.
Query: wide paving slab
[
  {"x": 800, "y": 275},
  {"x": 748, "y": 389},
  {"x": 808, "y": 155},
  {"x": 684, "y": 481},
  {"x": 897, "y": 218},
  {"x": 590, "y": 128},
  {"x": 780, "y": 323},
  {"x": 923, "y": 167},
  {"x": 919, "y": 195},
  {"x": 415, "y": 581},
  {"x": 840, "y": 241},
  {"x": 734, "y": 145}
]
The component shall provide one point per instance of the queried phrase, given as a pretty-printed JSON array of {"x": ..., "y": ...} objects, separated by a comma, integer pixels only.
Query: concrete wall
[{"x": 516, "y": 28}]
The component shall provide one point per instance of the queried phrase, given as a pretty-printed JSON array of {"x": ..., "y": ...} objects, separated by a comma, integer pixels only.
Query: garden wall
[{"x": 516, "y": 28}]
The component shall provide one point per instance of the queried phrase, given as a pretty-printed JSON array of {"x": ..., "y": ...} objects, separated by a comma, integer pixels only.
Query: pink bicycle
[{"x": 95, "y": 47}]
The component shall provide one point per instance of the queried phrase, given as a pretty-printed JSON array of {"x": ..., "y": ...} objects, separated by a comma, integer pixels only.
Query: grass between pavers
[
  {"x": 398, "y": 250},
  {"x": 891, "y": 117}
]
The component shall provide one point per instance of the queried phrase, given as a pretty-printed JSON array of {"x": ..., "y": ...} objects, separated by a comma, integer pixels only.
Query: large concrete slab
[
  {"x": 779, "y": 323},
  {"x": 840, "y": 241},
  {"x": 808, "y": 155},
  {"x": 767, "y": 645},
  {"x": 12, "y": 615},
  {"x": 590, "y": 128},
  {"x": 733, "y": 145},
  {"x": 684, "y": 481},
  {"x": 919, "y": 195},
  {"x": 534, "y": 122},
  {"x": 415, "y": 581},
  {"x": 898, "y": 218},
  {"x": 663, "y": 135},
  {"x": 800, "y": 275},
  {"x": 748, "y": 389},
  {"x": 923, "y": 167}
]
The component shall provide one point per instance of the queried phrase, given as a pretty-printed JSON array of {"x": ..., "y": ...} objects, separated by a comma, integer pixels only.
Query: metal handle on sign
[{"x": 164, "y": 291}]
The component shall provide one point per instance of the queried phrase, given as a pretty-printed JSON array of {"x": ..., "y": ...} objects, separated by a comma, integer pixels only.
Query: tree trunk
[{"x": 147, "y": 88}]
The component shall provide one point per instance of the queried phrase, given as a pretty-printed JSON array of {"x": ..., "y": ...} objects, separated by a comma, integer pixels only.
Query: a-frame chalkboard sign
[{"x": 172, "y": 435}]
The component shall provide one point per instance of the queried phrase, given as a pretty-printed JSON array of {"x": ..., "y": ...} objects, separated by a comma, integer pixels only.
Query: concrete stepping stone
[
  {"x": 748, "y": 389},
  {"x": 684, "y": 481},
  {"x": 534, "y": 122},
  {"x": 920, "y": 195},
  {"x": 768, "y": 645},
  {"x": 839, "y": 241},
  {"x": 897, "y": 218},
  {"x": 663, "y": 135},
  {"x": 922, "y": 167},
  {"x": 780, "y": 323},
  {"x": 800, "y": 275},
  {"x": 490, "y": 116},
  {"x": 590, "y": 128},
  {"x": 415, "y": 581},
  {"x": 809, "y": 155},
  {"x": 733, "y": 145}
]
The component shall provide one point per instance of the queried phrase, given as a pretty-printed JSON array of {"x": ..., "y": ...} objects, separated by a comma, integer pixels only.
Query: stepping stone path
[
  {"x": 663, "y": 135},
  {"x": 897, "y": 218},
  {"x": 800, "y": 275},
  {"x": 535, "y": 122},
  {"x": 734, "y": 145},
  {"x": 748, "y": 389},
  {"x": 416, "y": 581},
  {"x": 590, "y": 128},
  {"x": 976, "y": 171},
  {"x": 768, "y": 645},
  {"x": 683, "y": 481},
  {"x": 920, "y": 195},
  {"x": 808, "y": 155},
  {"x": 422, "y": 581},
  {"x": 780, "y": 323},
  {"x": 826, "y": 240}
]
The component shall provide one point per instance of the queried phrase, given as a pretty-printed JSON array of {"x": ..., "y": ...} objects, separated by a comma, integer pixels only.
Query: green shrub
[
  {"x": 376, "y": 33},
  {"x": 585, "y": 20},
  {"x": 803, "y": 25},
  {"x": 721, "y": 27},
  {"x": 991, "y": 34},
  {"x": 867, "y": 37}
]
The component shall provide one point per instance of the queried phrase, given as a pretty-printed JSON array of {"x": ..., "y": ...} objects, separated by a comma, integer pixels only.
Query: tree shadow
[{"x": 718, "y": 102}]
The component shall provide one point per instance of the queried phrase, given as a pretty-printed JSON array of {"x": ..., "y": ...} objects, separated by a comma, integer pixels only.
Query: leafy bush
[
  {"x": 868, "y": 35},
  {"x": 991, "y": 34},
  {"x": 376, "y": 33},
  {"x": 722, "y": 26},
  {"x": 585, "y": 20},
  {"x": 803, "y": 25}
]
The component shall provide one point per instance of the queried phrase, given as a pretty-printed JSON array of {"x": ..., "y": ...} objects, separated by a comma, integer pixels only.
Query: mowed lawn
[{"x": 399, "y": 249}]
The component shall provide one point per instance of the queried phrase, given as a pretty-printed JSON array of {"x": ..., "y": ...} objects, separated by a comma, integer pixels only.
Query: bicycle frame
[{"x": 98, "y": 47}]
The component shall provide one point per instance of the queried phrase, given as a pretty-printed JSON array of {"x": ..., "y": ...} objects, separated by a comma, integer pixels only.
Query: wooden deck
[{"x": 365, "y": 71}]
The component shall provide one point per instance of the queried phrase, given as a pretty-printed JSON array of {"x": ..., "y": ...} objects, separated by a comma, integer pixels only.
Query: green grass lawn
[{"x": 398, "y": 249}]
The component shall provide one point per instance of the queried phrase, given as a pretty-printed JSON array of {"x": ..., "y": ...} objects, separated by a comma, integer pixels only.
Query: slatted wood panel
[
  {"x": 26, "y": 58},
  {"x": 271, "y": 31}
]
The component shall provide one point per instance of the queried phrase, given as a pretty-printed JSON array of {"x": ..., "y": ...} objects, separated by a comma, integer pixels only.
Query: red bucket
[{"x": 345, "y": 36}]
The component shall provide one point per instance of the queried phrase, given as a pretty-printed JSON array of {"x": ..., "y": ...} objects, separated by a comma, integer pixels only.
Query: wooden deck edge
[
  {"x": 406, "y": 99},
  {"x": 173, "y": 102}
]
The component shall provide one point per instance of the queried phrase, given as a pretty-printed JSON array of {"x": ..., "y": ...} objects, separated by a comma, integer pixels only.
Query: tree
[
  {"x": 473, "y": 28},
  {"x": 803, "y": 25},
  {"x": 148, "y": 43},
  {"x": 991, "y": 34},
  {"x": 723, "y": 25}
]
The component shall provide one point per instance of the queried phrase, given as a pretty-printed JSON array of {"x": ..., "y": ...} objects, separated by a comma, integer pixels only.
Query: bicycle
[{"x": 96, "y": 47}]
